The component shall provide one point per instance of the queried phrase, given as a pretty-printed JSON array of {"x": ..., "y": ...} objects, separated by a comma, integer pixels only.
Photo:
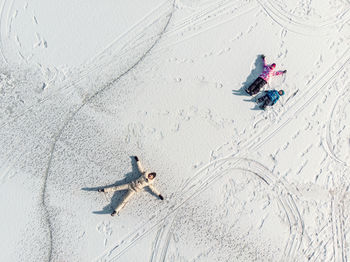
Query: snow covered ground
[{"x": 86, "y": 85}]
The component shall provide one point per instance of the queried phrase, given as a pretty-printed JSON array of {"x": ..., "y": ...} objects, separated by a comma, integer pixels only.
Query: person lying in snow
[
  {"x": 269, "y": 98},
  {"x": 268, "y": 71},
  {"x": 134, "y": 186}
]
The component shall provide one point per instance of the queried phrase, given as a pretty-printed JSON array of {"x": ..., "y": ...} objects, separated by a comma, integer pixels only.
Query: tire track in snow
[
  {"x": 71, "y": 117},
  {"x": 206, "y": 15},
  {"x": 260, "y": 139},
  {"x": 329, "y": 143},
  {"x": 1, "y": 31},
  {"x": 337, "y": 220},
  {"x": 299, "y": 105},
  {"x": 97, "y": 62},
  {"x": 324, "y": 79},
  {"x": 9, "y": 19},
  {"x": 5, "y": 26},
  {"x": 318, "y": 28},
  {"x": 312, "y": 253},
  {"x": 289, "y": 249},
  {"x": 158, "y": 12},
  {"x": 288, "y": 204},
  {"x": 254, "y": 144},
  {"x": 338, "y": 231},
  {"x": 336, "y": 239},
  {"x": 286, "y": 200},
  {"x": 201, "y": 17},
  {"x": 162, "y": 241},
  {"x": 337, "y": 203},
  {"x": 173, "y": 42},
  {"x": 117, "y": 50}
]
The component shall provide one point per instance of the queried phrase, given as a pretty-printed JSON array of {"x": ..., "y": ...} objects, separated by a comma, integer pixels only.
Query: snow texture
[{"x": 86, "y": 85}]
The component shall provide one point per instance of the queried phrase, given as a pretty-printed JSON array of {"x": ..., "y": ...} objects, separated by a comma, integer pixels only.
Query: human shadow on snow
[
  {"x": 259, "y": 65},
  {"x": 117, "y": 195}
]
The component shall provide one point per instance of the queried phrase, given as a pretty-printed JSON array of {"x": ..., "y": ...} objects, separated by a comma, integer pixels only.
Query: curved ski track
[
  {"x": 116, "y": 51},
  {"x": 290, "y": 22},
  {"x": 2, "y": 10},
  {"x": 220, "y": 168},
  {"x": 71, "y": 117},
  {"x": 287, "y": 201},
  {"x": 329, "y": 142},
  {"x": 256, "y": 142},
  {"x": 277, "y": 187}
]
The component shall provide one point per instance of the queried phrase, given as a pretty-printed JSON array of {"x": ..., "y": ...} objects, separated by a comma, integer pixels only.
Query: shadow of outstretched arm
[
  {"x": 100, "y": 187},
  {"x": 148, "y": 190},
  {"x": 91, "y": 188},
  {"x": 118, "y": 196}
]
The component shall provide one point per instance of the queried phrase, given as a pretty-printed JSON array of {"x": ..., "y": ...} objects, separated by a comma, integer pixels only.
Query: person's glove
[
  {"x": 262, "y": 56},
  {"x": 285, "y": 71},
  {"x": 136, "y": 158},
  {"x": 161, "y": 197}
]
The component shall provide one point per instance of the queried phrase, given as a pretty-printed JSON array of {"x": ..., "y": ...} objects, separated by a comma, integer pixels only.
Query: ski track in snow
[
  {"x": 284, "y": 198},
  {"x": 102, "y": 59},
  {"x": 220, "y": 167},
  {"x": 255, "y": 143},
  {"x": 330, "y": 143},
  {"x": 116, "y": 51},
  {"x": 197, "y": 20},
  {"x": 223, "y": 8},
  {"x": 70, "y": 118},
  {"x": 288, "y": 115},
  {"x": 2, "y": 10},
  {"x": 298, "y": 25}
]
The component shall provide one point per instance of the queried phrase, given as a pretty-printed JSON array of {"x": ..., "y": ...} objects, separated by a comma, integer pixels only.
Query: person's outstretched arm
[
  {"x": 139, "y": 166},
  {"x": 155, "y": 191},
  {"x": 279, "y": 72}
]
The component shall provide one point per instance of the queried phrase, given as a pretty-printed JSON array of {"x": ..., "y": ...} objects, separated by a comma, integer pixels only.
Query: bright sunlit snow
[{"x": 87, "y": 85}]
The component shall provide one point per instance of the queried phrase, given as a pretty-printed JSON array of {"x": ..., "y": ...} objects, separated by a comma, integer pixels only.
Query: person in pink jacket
[
  {"x": 264, "y": 77},
  {"x": 133, "y": 187}
]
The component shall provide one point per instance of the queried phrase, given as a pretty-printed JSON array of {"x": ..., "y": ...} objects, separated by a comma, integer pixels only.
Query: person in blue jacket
[{"x": 269, "y": 98}]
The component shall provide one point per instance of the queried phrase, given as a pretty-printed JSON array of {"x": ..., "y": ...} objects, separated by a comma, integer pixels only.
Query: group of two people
[{"x": 270, "y": 97}]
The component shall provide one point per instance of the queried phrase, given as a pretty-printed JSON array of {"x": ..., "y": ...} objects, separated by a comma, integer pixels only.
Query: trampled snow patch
[{"x": 85, "y": 86}]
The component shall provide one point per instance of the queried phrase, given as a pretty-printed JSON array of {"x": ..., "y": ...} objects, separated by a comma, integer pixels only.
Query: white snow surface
[{"x": 86, "y": 85}]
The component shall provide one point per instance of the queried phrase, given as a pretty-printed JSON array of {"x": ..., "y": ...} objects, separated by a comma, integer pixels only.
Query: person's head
[
  {"x": 281, "y": 92},
  {"x": 273, "y": 65},
  {"x": 151, "y": 176}
]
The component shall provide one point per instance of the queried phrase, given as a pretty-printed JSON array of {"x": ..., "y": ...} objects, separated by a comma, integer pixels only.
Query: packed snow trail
[{"x": 73, "y": 114}]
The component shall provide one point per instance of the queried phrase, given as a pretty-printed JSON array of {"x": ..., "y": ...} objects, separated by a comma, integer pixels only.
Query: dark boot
[
  {"x": 265, "y": 104},
  {"x": 113, "y": 213},
  {"x": 260, "y": 99},
  {"x": 259, "y": 83},
  {"x": 252, "y": 86},
  {"x": 249, "y": 89}
]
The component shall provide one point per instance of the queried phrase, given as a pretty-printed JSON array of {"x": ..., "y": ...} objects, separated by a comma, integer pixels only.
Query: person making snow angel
[
  {"x": 269, "y": 98},
  {"x": 268, "y": 71},
  {"x": 133, "y": 187}
]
